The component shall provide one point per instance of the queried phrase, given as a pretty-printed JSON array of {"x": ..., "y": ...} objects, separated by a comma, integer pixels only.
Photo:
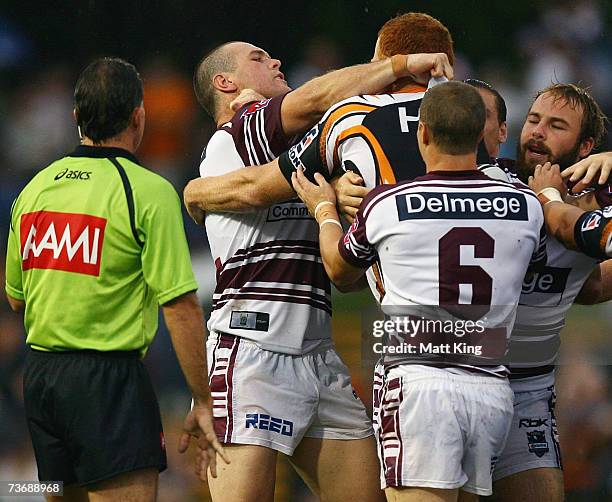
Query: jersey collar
[
  {"x": 470, "y": 174},
  {"x": 102, "y": 152}
]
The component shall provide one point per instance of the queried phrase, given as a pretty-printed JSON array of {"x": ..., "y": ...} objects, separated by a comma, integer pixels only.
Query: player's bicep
[{"x": 295, "y": 115}]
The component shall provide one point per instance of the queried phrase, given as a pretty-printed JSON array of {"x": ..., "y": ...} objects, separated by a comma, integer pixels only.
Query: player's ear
[
  {"x": 480, "y": 137},
  {"x": 224, "y": 83},
  {"x": 503, "y": 132},
  {"x": 423, "y": 133},
  {"x": 586, "y": 145}
]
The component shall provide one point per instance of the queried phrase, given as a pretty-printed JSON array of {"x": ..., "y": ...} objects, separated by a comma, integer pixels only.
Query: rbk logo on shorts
[{"x": 62, "y": 241}]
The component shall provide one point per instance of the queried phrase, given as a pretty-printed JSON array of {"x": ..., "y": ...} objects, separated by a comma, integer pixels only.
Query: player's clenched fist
[{"x": 349, "y": 194}]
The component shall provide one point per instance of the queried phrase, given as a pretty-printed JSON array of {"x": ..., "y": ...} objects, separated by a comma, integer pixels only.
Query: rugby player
[
  {"x": 563, "y": 125},
  {"x": 496, "y": 127},
  {"x": 276, "y": 380},
  {"x": 471, "y": 400}
]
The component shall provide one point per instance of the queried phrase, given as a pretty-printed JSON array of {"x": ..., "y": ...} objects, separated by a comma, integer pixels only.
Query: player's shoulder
[
  {"x": 379, "y": 194},
  {"x": 254, "y": 108},
  {"x": 360, "y": 105}
]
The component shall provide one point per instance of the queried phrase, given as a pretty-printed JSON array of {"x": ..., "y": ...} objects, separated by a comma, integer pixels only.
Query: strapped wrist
[{"x": 549, "y": 194}]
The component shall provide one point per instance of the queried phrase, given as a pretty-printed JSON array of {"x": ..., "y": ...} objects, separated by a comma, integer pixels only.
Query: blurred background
[{"x": 518, "y": 47}]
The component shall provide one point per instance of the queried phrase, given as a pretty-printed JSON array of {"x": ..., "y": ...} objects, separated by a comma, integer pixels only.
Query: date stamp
[{"x": 29, "y": 488}]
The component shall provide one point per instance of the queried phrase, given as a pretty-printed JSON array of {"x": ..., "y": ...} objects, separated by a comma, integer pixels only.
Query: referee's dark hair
[
  {"x": 500, "y": 103},
  {"x": 455, "y": 115},
  {"x": 106, "y": 94}
]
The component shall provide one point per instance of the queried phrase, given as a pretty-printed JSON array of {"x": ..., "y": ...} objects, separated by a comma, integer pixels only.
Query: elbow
[
  {"x": 190, "y": 195},
  {"x": 340, "y": 280},
  {"x": 589, "y": 296},
  {"x": 16, "y": 305}
]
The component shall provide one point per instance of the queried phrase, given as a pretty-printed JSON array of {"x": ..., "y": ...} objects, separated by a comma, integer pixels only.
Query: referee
[{"x": 96, "y": 243}]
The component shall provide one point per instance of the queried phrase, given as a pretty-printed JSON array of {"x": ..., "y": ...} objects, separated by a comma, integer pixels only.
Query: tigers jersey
[
  {"x": 271, "y": 285},
  {"x": 449, "y": 238},
  {"x": 593, "y": 233},
  {"x": 372, "y": 135}
]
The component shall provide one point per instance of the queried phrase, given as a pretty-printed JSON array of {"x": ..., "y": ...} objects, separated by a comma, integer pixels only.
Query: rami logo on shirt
[{"x": 62, "y": 241}]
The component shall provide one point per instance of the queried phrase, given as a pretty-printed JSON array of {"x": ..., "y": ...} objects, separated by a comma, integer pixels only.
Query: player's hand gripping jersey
[{"x": 271, "y": 285}]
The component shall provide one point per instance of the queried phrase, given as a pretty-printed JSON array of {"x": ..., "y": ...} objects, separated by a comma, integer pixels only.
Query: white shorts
[
  {"x": 438, "y": 429},
  {"x": 533, "y": 441},
  {"x": 274, "y": 400}
]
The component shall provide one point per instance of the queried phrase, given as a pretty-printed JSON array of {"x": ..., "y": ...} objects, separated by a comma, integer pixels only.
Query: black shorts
[{"x": 92, "y": 415}]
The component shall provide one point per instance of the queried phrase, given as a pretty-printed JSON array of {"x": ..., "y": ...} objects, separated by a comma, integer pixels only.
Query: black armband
[
  {"x": 592, "y": 233},
  {"x": 305, "y": 154}
]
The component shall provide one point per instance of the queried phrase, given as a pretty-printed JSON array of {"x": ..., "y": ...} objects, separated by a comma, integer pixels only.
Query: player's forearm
[
  {"x": 586, "y": 202},
  {"x": 598, "y": 287},
  {"x": 560, "y": 221},
  {"x": 320, "y": 93},
  {"x": 234, "y": 193},
  {"x": 338, "y": 270},
  {"x": 359, "y": 285},
  {"x": 185, "y": 322},
  {"x": 606, "y": 281},
  {"x": 241, "y": 191}
]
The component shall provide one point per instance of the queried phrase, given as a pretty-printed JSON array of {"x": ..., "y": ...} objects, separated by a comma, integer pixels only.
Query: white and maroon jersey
[
  {"x": 450, "y": 239},
  {"x": 546, "y": 297},
  {"x": 271, "y": 285}
]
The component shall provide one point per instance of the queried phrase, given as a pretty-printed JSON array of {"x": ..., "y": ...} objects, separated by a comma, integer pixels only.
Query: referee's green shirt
[{"x": 96, "y": 243}]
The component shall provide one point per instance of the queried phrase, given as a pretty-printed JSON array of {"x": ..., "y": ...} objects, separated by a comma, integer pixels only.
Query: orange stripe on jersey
[
  {"x": 386, "y": 174},
  {"x": 380, "y": 287},
  {"x": 336, "y": 115},
  {"x": 410, "y": 90},
  {"x": 605, "y": 235}
]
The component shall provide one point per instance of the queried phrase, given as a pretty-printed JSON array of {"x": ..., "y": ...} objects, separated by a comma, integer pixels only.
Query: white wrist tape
[
  {"x": 320, "y": 205},
  {"x": 549, "y": 194},
  {"x": 332, "y": 221}
]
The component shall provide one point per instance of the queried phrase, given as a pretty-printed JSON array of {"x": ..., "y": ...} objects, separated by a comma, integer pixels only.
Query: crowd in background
[{"x": 564, "y": 42}]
